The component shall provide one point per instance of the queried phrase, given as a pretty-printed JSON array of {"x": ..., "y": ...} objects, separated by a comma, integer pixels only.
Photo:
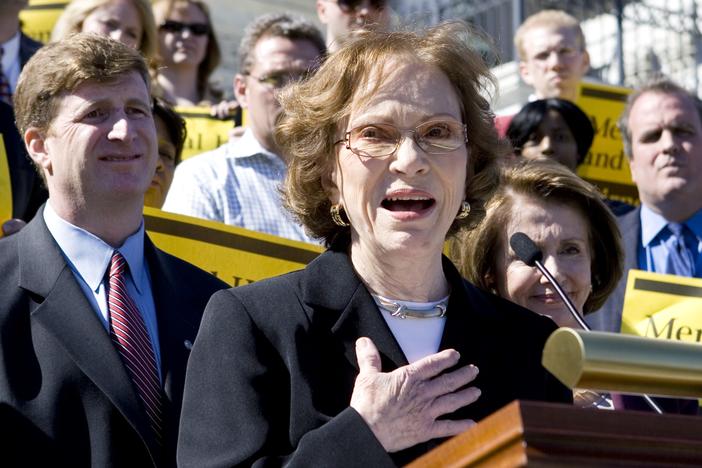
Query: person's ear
[
  {"x": 524, "y": 73},
  {"x": 322, "y": 11},
  {"x": 585, "y": 66},
  {"x": 240, "y": 89},
  {"x": 35, "y": 142},
  {"x": 331, "y": 183}
]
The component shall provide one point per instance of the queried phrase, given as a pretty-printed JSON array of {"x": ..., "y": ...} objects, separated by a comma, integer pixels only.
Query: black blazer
[
  {"x": 272, "y": 371},
  {"x": 65, "y": 397},
  {"x": 28, "y": 47},
  {"x": 609, "y": 316},
  {"x": 28, "y": 192}
]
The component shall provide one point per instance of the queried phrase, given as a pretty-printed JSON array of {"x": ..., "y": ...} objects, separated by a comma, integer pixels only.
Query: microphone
[{"x": 528, "y": 252}]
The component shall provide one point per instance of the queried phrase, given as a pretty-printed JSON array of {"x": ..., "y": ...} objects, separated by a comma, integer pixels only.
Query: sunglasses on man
[
  {"x": 352, "y": 6},
  {"x": 177, "y": 27}
]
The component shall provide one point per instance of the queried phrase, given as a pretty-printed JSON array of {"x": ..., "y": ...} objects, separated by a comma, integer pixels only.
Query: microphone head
[{"x": 525, "y": 248}]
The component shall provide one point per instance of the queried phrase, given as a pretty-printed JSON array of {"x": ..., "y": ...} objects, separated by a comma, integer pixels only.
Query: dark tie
[
  {"x": 681, "y": 260},
  {"x": 132, "y": 341},
  {"x": 5, "y": 91}
]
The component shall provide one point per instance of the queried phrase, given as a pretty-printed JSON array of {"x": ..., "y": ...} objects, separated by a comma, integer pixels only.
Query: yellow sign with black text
[
  {"x": 39, "y": 17},
  {"x": 205, "y": 132},
  {"x": 235, "y": 255},
  {"x": 663, "y": 306},
  {"x": 606, "y": 164},
  {"x": 5, "y": 185}
]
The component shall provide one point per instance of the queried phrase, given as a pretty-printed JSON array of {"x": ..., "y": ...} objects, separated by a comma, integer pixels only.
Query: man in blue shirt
[
  {"x": 96, "y": 322},
  {"x": 662, "y": 132}
]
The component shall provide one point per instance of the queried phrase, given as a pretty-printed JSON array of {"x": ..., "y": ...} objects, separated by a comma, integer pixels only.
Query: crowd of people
[{"x": 379, "y": 144}]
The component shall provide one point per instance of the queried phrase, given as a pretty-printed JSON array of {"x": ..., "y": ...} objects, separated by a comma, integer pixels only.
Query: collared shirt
[
  {"x": 236, "y": 184},
  {"x": 11, "y": 60},
  {"x": 89, "y": 257},
  {"x": 653, "y": 251}
]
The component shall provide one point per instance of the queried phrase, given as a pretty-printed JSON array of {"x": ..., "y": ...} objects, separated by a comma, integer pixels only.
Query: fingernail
[{"x": 361, "y": 343}]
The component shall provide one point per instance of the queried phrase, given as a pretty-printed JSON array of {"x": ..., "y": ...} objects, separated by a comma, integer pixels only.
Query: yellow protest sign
[
  {"x": 205, "y": 132},
  {"x": 235, "y": 255},
  {"x": 39, "y": 17},
  {"x": 606, "y": 164},
  {"x": 663, "y": 306},
  {"x": 5, "y": 185}
]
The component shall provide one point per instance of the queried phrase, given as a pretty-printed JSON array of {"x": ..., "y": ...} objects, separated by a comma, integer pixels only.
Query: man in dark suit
[
  {"x": 96, "y": 323},
  {"x": 662, "y": 132}
]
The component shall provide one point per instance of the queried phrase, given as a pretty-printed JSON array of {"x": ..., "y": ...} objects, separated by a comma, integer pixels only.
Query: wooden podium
[{"x": 545, "y": 434}]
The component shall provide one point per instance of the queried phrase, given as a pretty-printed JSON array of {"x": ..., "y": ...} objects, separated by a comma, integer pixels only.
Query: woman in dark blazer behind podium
[{"x": 378, "y": 350}]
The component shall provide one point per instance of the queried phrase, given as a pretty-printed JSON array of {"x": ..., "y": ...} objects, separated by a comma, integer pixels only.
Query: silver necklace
[{"x": 402, "y": 311}]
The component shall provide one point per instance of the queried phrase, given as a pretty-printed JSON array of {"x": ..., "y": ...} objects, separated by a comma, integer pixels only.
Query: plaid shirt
[{"x": 236, "y": 184}]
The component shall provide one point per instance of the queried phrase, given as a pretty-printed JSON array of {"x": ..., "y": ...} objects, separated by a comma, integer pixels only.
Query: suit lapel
[
  {"x": 338, "y": 297},
  {"x": 176, "y": 330},
  {"x": 65, "y": 312}
]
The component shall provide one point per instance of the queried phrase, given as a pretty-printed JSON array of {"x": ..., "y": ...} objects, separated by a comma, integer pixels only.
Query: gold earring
[
  {"x": 465, "y": 210},
  {"x": 335, "y": 211}
]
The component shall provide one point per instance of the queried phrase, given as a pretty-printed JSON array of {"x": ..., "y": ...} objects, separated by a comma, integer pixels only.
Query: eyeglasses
[
  {"x": 176, "y": 27},
  {"x": 279, "y": 80},
  {"x": 378, "y": 140},
  {"x": 349, "y": 6}
]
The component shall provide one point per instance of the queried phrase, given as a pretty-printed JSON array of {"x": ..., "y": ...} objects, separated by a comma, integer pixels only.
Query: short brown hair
[
  {"x": 71, "y": 22},
  {"x": 657, "y": 85},
  {"x": 315, "y": 110},
  {"x": 293, "y": 27},
  {"x": 554, "y": 19},
  {"x": 60, "y": 67},
  {"x": 213, "y": 55},
  {"x": 543, "y": 181}
]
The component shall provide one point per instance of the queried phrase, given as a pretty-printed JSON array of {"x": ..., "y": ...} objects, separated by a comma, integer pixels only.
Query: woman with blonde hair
[
  {"x": 188, "y": 52},
  {"x": 128, "y": 21}
]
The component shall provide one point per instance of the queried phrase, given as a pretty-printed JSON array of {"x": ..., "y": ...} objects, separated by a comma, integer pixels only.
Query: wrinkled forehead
[
  {"x": 406, "y": 84},
  {"x": 546, "y": 36}
]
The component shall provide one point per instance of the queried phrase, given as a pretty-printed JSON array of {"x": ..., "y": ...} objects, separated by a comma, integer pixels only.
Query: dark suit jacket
[
  {"x": 609, "y": 316},
  {"x": 272, "y": 371},
  {"x": 28, "y": 47},
  {"x": 65, "y": 396},
  {"x": 28, "y": 192}
]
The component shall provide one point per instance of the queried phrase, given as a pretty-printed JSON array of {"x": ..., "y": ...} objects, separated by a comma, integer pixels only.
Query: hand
[
  {"x": 12, "y": 226},
  {"x": 224, "y": 109},
  {"x": 402, "y": 407}
]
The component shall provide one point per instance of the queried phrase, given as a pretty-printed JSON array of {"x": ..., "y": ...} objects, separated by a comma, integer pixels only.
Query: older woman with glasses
[
  {"x": 188, "y": 50},
  {"x": 378, "y": 349}
]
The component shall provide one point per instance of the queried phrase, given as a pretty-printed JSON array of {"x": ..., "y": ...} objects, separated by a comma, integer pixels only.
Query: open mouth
[
  {"x": 114, "y": 158},
  {"x": 416, "y": 203}
]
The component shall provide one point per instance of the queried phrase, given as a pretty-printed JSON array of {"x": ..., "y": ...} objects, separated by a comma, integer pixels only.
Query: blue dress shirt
[
  {"x": 653, "y": 251},
  {"x": 88, "y": 256}
]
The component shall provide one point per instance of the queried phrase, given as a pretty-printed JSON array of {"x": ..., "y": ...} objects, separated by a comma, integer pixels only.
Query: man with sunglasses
[
  {"x": 237, "y": 183},
  {"x": 343, "y": 17}
]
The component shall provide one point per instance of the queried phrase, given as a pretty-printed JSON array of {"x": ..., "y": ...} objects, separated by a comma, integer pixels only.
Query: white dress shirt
[
  {"x": 89, "y": 257},
  {"x": 236, "y": 184}
]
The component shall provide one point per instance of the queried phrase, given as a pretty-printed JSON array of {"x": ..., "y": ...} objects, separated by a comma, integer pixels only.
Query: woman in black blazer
[{"x": 378, "y": 350}]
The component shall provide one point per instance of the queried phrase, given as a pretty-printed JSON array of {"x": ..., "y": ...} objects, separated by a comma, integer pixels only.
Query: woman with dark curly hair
[
  {"x": 552, "y": 129},
  {"x": 370, "y": 355}
]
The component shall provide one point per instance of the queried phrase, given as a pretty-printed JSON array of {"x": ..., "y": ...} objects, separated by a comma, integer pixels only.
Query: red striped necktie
[
  {"x": 5, "y": 90},
  {"x": 129, "y": 335}
]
